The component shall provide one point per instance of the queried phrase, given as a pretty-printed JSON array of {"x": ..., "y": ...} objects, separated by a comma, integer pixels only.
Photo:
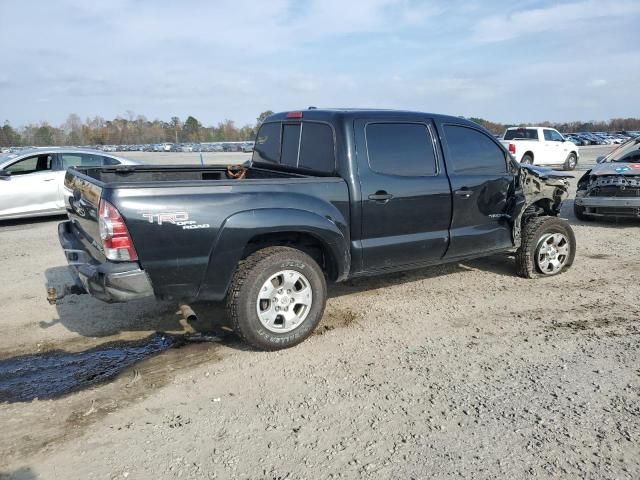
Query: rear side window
[
  {"x": 81, "y": 160},
  {"x": 267, "y": 148},
  {"x": 473, "y": 153},
  {"x": 110, "y": 161},
  {"x": 522, "y": 133},
  {"x": 304, "y": 145},
  {"x": 404, "y": 149}
]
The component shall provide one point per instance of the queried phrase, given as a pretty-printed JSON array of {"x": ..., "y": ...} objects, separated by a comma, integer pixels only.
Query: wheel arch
[{"x": 243, "y": 233}]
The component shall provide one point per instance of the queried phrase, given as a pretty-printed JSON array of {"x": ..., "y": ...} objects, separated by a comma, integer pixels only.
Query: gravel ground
[{"x": 458, "y": 371}]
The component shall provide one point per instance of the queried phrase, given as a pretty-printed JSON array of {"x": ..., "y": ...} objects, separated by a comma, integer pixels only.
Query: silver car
[{"x": 32, "y": 181}]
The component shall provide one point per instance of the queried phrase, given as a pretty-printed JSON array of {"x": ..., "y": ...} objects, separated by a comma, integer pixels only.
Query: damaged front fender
[{"x": 539, "y": 191}]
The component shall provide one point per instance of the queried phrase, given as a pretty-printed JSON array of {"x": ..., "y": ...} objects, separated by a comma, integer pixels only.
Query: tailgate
[{"x": 82, "y": 201}]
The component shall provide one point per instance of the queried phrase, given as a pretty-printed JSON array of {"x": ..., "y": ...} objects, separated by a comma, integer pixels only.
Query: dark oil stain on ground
[{"x": 56, "y": 373}]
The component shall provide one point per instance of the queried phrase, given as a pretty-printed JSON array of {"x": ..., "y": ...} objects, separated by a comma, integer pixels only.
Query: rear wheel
[
  {"x": 548, "y": 247},
  {"x": 526, "y": 158},
  {"x": 571, "y": 162},
  {"x": 277, "y": 298}
]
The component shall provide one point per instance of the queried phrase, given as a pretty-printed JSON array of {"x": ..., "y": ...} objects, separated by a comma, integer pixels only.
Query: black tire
[
  {"x": 571, "y": 162},
  {"x": 249, "y": 278},
  {"x": 527, "y": 159},
  {"x": 578, "y": 211},
  {"x": 532, "y": 234}
]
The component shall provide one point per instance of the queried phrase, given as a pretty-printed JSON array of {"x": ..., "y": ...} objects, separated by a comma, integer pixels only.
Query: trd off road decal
[{"x": 180, "y": 219}]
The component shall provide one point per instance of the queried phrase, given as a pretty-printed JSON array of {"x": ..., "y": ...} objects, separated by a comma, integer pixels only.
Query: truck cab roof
[{"x": 332, "y": 115}]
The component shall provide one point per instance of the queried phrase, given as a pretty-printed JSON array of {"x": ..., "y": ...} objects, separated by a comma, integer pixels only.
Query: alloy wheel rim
[
  {"x": 284, "y": 301},
  {"x": 552, "y": 253}
]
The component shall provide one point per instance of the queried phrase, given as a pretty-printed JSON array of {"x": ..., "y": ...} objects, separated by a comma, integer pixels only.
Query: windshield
[
  {"x": 5, "y": 158},
  {"x": 628, "y": 152}
]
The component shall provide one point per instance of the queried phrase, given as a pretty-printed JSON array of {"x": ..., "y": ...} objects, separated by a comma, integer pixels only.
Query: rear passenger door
[
  {"x": 406, "y": 199},
  {"x": 481, "y": 181}
]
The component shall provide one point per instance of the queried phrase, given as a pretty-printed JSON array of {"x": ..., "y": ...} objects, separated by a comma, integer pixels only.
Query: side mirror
[
  {"x": 4, "y": 175},
  {"x": 600, "y": 159}
]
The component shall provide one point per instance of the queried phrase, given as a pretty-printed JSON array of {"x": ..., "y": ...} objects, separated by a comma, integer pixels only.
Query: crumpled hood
[
  {"x": 615, "y": 168},
  {"x": 544, "y": 172}
]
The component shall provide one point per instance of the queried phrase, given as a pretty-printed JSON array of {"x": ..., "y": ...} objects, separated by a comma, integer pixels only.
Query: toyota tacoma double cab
[
  {"x": 541, "y": 146},
  {"x": 328, "y": 195}
]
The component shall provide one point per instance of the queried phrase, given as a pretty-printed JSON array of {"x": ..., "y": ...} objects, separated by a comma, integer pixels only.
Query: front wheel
[
  {"x": 276, "y": 298},
  {"x": 578, "y": 211},
  {"x": 571, "y": 162},
  {"x": 548, "y": 247}
]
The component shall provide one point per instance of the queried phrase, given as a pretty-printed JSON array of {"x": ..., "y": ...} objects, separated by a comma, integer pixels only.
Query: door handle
[
  {"x": 380, "y": 196},
  {"x": 49, "y": 179},
  {"x": 464, "y": 192}
]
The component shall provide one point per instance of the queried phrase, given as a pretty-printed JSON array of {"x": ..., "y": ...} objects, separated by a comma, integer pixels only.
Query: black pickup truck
[{"x": 328, "y": 195}]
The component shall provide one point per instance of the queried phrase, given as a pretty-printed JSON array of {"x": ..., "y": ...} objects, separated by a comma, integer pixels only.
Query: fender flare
[{"x": 238, "y": 230}]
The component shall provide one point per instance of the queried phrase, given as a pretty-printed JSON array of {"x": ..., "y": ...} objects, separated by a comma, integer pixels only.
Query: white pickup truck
[{"x": 540, "y": 146}]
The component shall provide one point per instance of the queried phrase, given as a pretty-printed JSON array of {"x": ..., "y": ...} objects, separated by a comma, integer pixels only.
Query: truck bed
[
  {"x": 144, "y": 174},
  {"x": 189, "y": 223}
]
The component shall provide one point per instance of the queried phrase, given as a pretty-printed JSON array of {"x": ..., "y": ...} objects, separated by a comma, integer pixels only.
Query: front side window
[
  {"x": 404, "y": 149},
  {"x": 552, "y": 136},
  {"x": 473, "y": 153},
  {"x": 37, "y": 163}
]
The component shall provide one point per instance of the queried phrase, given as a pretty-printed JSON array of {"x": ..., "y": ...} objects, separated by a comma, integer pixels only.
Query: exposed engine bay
[{"x": 542, "y": 193}]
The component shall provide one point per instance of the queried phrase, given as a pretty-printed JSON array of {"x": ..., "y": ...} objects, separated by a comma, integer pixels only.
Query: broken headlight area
[{"x": 611, "y": 186}]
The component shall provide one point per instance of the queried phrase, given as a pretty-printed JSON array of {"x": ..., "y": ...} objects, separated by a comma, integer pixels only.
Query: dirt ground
[{"x": 458, "y": 371}]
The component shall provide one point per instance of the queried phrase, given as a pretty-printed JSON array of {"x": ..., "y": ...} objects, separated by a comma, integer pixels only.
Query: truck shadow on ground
[
  {"x": 92, "y": 318},
  {"x": 23, "y": 223},
  {"x": 499, "y": 264},
  {"x": 22, "y": 473}
]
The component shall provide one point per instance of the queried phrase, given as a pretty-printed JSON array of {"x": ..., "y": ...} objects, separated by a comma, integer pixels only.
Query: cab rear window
[
  {"x": 306, "y": 145},
  {"x": 521, "y": 133}
]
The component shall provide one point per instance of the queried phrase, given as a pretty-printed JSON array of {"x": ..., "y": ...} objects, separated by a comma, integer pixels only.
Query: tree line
[
  {"x": 139, "y": 130},
  {"x": 125, "y": 131}
]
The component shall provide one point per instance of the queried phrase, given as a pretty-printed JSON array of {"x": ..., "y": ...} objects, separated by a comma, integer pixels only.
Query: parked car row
[
  {"x": 158, "y": 147},
  {"x": 181, "y": 147},
  {"x": 600, "y": 138}
]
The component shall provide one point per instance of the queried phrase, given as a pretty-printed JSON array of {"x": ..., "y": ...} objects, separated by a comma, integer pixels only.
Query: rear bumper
[
  {"x": 610, "y": 206},
  {"x": 109, "y": 282}
]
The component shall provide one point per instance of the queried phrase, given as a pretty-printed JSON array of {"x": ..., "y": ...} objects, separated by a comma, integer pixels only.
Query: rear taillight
[
  {"x": 116, "y": 240},
  {"x": 512, "y": 148}
]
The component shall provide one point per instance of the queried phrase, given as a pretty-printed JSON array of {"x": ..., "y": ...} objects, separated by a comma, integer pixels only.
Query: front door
[
  {"x": 32, "y": 187},
  {"x": 481, "y": 180},
  {"x": 555, "y": 147},
  {"x": 406, "y": 199}
]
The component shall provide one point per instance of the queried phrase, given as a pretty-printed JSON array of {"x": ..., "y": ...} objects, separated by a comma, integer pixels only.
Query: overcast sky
[{"x": 505, "y": 61}]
